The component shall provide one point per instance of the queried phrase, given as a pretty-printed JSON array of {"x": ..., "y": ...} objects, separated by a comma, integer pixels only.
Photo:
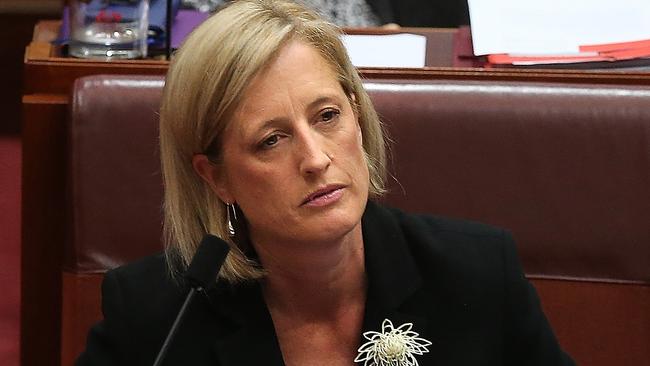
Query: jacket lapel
[
  {"x": 391, "y": 270},
  {"x": 247, "y": 336}
]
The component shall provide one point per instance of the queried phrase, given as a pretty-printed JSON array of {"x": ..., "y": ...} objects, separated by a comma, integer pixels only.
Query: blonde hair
[{"x": 205, "y": 83}]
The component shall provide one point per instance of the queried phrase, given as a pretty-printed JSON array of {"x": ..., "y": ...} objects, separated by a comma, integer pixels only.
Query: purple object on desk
[
  {"x": 186, "y": 20},
  {"x": 64, "y": 30}
]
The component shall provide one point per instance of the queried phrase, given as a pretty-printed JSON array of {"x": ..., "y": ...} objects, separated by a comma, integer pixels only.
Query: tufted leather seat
[{"x": 565, "y": 167}]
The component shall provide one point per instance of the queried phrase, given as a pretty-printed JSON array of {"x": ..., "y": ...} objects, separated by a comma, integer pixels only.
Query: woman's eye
[
  {"x": 270, "y": 141},
  {"x": 329, "y": 115}
]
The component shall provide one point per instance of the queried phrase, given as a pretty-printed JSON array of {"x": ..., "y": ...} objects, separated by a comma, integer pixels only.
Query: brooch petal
[{"x": 392, "y": 347}]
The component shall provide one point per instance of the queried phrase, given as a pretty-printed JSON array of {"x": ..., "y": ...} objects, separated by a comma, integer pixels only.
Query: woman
[{"x": 269, "y": 141}]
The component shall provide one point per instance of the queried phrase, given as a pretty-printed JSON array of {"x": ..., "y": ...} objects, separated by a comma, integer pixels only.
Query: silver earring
[{"x": 231, "y": 208}]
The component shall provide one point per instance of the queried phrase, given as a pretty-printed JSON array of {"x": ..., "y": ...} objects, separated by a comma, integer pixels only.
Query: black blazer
[{"x": 459, "y": 283}]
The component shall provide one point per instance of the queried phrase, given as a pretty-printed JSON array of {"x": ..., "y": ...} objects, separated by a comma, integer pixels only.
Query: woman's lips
[{"x": 324, "y": 197}]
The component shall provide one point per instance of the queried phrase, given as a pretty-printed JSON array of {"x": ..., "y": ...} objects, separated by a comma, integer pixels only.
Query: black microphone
[{"x": 202, "y": 272}]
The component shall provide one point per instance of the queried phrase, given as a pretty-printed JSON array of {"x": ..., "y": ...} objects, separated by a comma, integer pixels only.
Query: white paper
[
  {"x": 555, "y": 26},
  {"x": 394, "y": 50}
]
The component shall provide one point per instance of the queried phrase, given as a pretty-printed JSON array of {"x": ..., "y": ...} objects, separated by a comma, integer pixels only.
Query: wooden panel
[
  {"x": 81, "y": 308},
  {"x": 553, "y": 76},
  {"x": 43, "y": 229},
  {"x": 48, "y": 73},
  {"x": 30, "y": 6},
  {"x": 15, "y": 34},
  {"x": 53, "y": 77},
  {"x": 599, "y": 324}
]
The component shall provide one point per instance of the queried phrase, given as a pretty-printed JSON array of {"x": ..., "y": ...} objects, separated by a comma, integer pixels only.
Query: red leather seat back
[
  {"x": 565, "y": 167},
  {"x": 115, "y": 185}
]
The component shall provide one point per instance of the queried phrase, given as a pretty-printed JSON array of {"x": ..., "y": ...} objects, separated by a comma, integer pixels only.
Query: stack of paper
[
  {"x": 390, "y": 50},
  {"x": 560, "y": 31}
]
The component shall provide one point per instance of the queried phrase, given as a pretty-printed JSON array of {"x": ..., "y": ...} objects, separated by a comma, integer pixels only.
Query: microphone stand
[
  {"x": 202, "y": 272},
  {"x": 175, "y": 326}
]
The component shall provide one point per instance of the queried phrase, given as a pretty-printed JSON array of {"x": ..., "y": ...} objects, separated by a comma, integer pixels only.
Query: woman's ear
[{"x": 213, "y": 175}]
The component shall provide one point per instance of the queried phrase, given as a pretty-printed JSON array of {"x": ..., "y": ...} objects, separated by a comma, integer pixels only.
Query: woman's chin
[{"x": 329, "y": 229}]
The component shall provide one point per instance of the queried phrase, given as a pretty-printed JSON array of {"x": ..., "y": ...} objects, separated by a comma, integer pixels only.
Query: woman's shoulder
[
  {"x": 447, "y": 247},
  {"x": 146, "y": 286},
  {"x": 149, "y": 269},
  {"x": 469, "y": 281},
  {"x": 151, "y": 265},
  {"x": 429, "y": 228},
  {"x": 139, "y": 301}
]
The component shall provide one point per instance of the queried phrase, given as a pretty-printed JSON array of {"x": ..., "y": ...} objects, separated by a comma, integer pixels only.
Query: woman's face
[{"x": 292, "y": 154}]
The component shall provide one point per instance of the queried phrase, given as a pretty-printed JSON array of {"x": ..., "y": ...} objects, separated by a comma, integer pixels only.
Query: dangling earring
[{"x": 231, "y": 208}]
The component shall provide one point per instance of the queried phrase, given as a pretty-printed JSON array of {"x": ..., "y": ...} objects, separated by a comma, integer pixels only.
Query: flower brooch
[{"x": 392, "y": 347}]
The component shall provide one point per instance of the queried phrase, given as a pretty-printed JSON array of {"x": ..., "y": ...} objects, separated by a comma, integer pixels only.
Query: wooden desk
[{"x": 47, "y": 82}]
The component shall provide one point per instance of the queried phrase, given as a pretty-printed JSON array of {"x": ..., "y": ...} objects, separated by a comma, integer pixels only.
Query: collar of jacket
[{"x": 247, "y": 335}]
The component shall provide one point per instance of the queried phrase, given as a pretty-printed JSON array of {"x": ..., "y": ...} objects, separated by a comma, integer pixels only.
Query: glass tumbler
[{"x": 108, "y": 29}]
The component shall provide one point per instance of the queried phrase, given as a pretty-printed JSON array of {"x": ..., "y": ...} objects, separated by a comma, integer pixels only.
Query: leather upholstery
[
  {"x": 115, "y": 185},
  {"x": 565, "y": 167}
]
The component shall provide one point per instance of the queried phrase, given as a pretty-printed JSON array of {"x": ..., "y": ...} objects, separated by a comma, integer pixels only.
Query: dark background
[{"x": 17, "y": 19}]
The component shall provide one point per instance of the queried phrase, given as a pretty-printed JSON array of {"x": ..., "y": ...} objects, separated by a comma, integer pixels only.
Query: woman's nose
[{"x": 313, "y": 155}]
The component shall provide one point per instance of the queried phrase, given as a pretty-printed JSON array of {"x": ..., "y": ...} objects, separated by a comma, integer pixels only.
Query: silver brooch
[{"x": 392, "y": 347}]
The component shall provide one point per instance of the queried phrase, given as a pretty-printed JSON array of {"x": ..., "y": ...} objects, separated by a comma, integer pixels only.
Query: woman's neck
[
  {"x": 316, "y": 296},
  {"x": 315, "y": 281}
]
